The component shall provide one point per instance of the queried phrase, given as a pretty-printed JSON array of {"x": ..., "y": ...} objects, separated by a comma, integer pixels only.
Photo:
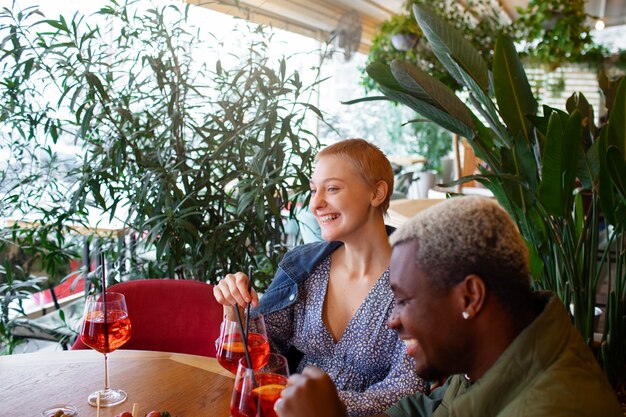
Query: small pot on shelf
[{"x": 404, "y": 41}]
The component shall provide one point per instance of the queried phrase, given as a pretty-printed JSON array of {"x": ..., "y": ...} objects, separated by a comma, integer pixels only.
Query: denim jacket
[{"x": 295, "y": 267}]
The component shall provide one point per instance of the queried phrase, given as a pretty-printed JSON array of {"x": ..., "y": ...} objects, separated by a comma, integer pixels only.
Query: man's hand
[{"x": 310, "y": 394}]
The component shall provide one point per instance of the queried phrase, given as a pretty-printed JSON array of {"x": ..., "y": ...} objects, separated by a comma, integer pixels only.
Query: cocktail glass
[
  {"x": 256, "y": 391},
  {"x": 230, "y": 347},
  {"x": 106, "y": 327}
]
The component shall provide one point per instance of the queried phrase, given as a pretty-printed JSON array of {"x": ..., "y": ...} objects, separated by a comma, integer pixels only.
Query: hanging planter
[
  {"x": 556, "y": 32},
  {"x": 404, "y": 41},
  {"x": 550, "y": 24}
]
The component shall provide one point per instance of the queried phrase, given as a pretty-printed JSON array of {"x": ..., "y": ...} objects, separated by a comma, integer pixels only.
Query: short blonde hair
[
  {"x": 368, "y": 160},
  {"x": 470, "y": 235}
]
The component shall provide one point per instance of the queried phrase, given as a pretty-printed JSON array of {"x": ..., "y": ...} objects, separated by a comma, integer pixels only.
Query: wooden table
[
  {"x": 184, "y": 385},
  {"x": 403, "y": 209}
]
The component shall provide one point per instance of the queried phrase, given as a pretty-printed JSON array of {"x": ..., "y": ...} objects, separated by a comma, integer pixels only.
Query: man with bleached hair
[{"x": 464, "y": 307}]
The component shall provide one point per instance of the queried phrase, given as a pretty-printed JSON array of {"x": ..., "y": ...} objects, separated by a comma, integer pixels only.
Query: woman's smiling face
[{"x": 340, "y": 198}]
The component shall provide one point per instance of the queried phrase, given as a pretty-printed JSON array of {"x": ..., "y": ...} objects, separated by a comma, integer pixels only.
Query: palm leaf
[
  {"x": 382, "y": 74},
  {"x": 430, "y": 112},
  {"x": 485, "y": 106},
  {"x": 413, "y": 79},
  {"x": 513, "y": 94},
  {"x": 448, "y": 45},
  {"x": 390, "y": 87},
  {"x": 607, "y": 196},
  {"x": 550, "y": 187},
  {"x": 573, "y": 140},
  {"x": 617, "y": 169},
  {"x": 617, "y": 121}
]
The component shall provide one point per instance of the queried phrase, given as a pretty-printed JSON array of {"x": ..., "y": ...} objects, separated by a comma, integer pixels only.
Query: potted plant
[
  {"x": 558, "y": 174},
  {"x": 198, "y": 161},
  {"x": 433, "y": 143},
  {"x": 403, "y": 31}
]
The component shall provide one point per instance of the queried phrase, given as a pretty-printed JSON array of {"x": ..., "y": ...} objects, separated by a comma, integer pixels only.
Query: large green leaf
[
  {"x": 381, "y": 73},
  {"x": 541, "y": 122},
  {"x": 483, "y": 144},
  {"x": 513, "y": 94},
  {"x": 526, "y": 165},
  {"x": 413, "y": 79},
  {"x": 617, "y": 120},
  {"x": 560, "y": 160},
  {"x": 448, "y": 45},
  {"x": 535, "y": 261},
  {"x": 388, "y": 85},
  {"x": 607, "y": 196},
  {"x": 430, "y": 112},
  {"x": 485, "y": 106},
  {"x": 573, "y": 137},
  {"x": 590, "y": 131},
  {"x": 518, "y": 193},
  {"x": 589, "y": 166},
  {"x": 617, "y": 169}
]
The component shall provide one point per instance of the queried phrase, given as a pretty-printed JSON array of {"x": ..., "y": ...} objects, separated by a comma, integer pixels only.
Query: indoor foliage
[
  {"x": 559, "y": 175},
  {"x": 479, "y": 22},
  {"x": 556, "y": 32},
  {"x": 196, "y": 151}
]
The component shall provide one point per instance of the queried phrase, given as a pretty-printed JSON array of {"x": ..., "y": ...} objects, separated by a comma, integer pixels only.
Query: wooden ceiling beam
[{"x": 313, "y": 19}]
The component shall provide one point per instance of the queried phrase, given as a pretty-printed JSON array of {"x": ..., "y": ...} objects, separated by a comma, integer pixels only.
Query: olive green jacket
[{"x": 548, "y": 370}]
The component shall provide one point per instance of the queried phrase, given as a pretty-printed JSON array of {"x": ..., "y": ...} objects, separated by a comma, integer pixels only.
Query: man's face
[{"x": 424, "y": 316}]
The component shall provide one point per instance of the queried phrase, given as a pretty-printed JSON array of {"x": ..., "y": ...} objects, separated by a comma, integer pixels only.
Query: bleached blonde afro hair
[{"x": 470, "y": 235}]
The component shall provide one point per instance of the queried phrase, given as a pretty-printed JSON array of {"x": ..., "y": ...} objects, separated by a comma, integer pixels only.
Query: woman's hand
[{"x": 233, "y": 288}]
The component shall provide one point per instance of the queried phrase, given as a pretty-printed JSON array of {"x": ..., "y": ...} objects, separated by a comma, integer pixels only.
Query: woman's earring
[{"x": 465, "y": 315}]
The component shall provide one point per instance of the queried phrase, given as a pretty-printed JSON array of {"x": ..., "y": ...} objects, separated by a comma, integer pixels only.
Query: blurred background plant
[{"x": 554, "y": 32}]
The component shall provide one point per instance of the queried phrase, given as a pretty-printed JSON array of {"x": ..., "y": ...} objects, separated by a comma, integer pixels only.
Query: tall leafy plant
[
  {"x": 559, "y": 176},
  {"x": 196, "y": 151}
]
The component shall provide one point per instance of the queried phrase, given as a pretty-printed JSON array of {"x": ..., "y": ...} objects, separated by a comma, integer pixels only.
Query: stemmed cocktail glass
[
  {"x": 256, "y": 391},
  {"x": 106, "y": 327},
  {"x": 230, "y": 347}
]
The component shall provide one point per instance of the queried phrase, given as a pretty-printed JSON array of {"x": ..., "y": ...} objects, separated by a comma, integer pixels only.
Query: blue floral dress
[{"x": 368, "y": 363}]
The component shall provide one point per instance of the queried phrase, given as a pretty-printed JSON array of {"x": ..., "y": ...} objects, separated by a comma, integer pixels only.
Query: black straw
[
  {"x": 245, "y": 342},
  {"x": 104, "y": 299},
  {"x": 248, "y": 306}
]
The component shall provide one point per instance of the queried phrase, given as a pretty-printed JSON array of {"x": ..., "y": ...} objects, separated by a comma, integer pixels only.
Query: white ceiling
[{"x": 318, "y": 18}]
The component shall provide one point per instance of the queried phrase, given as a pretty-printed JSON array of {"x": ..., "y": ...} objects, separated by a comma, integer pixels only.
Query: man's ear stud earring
[{"x": 465, "y": 315}]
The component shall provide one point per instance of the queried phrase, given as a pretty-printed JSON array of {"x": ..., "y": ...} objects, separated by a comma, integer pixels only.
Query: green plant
[
  {"x": 382, "y": 48},
  {"x": 198, "y": 158},
  {"x": 432, "y": 142},
  {"x": 12, "y": 292},
  {"x": 556, "y": 31},
  {"x": 16, "y": 286},
  {"x": 477, "y": 19},
  {"x": 557, "y": 174}
]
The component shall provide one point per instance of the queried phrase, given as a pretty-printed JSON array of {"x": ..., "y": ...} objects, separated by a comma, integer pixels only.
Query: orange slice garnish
[{"x": 269, "y": 390}]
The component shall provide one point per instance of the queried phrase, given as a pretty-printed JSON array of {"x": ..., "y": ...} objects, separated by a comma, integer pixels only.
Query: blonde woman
[{"x": 329, "y": 302}]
